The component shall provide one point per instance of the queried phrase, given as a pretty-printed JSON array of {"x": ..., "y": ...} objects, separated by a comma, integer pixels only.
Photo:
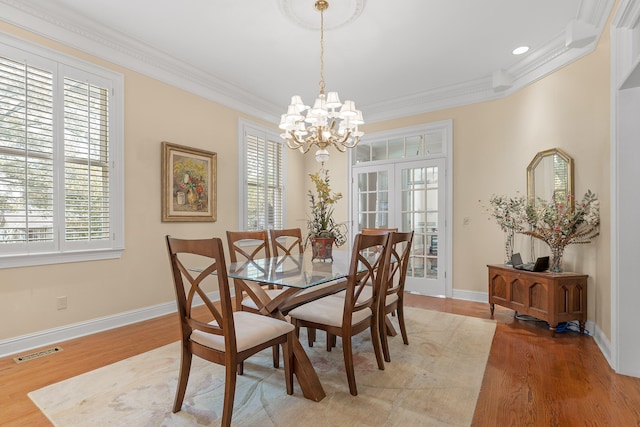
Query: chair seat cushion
[
  {"x": 271, "y": 293},
  {"x": 251, "y": 330},
  {"x": 366, "y": 294},
  {"x": 327, "y": 311}
]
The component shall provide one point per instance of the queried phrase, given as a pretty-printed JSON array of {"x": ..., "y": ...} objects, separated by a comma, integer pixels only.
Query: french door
[{"x": 409, "y": 196}]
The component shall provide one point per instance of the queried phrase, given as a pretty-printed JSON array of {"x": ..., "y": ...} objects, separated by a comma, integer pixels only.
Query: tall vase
[
  {"x": 556, "y": 259},
  {"x": 509, "y": 242},
  {"x": 192, "y": 197}
]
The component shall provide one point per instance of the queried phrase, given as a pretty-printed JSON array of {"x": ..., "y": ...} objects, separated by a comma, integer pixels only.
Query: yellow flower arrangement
[{"x": 321, "y": 223}]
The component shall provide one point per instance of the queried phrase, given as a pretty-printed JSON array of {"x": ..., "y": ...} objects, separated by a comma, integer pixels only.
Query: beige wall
[
  {"x": 493, "y": 144},
  {"x": 154, "y": 112}
]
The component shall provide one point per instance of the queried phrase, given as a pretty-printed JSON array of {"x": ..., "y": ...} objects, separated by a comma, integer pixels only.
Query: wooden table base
[{"x": 306, "y": 375}]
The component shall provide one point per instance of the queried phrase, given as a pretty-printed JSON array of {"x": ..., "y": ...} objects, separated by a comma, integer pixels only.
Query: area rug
[{"x": 434, "y": 381}]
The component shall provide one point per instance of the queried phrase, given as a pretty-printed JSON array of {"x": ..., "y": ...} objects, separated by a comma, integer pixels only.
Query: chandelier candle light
[{"x": 328, "y": 122}]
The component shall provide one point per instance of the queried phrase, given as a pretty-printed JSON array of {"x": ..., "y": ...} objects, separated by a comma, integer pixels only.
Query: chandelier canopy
[{"x": 328, "y": 122}]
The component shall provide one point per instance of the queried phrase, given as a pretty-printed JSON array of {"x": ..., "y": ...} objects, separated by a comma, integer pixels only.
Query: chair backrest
[
  {"x": 257, "y": 248},
  {"x": 192, "y": 263},
  {"x": 396, "y": 262},
  {"x": 363, "y": 255},
  {"x": 377, "y": 231},
  {"x": 293, "y": 240}
]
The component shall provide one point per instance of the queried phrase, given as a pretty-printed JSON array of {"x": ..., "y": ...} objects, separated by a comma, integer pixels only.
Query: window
[
  {"x": 422, "y": 141},
  {"x": 261, "y": 177},
  {"x": 60, "y": 158}
]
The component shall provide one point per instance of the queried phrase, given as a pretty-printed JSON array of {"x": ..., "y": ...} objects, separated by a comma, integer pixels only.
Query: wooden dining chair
[
  {"x": 392, "y": 291},
  {"x": 376, "y": 231},
  {"x": 286, "y": 241},
  {"x": 246, "y": 246},
  {"x": 289, "y": 242},
  {"x": 352, "y": 314},
  {"x": 232, "y": 336}
]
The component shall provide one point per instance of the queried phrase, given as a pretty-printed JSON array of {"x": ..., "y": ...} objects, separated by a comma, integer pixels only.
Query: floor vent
[{"x": 37, "y": 354}]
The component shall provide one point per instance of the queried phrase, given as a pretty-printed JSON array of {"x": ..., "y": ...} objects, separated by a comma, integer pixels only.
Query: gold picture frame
[{"x": 188, "y": 184}]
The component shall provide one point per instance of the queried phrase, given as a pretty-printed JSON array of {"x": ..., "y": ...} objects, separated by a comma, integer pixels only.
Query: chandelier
[{"x": 328, "y": 122}]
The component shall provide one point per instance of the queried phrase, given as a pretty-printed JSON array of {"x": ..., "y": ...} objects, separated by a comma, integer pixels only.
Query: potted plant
[{"x": 323, "y": 231}]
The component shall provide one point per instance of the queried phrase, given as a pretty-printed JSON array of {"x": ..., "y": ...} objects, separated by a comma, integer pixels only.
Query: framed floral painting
[{"x": 188, "y": 183}]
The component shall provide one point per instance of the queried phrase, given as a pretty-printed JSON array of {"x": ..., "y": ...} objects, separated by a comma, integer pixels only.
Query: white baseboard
[
  {"x": 53, "y": 336},
  {"x": 471, "y": 296}
]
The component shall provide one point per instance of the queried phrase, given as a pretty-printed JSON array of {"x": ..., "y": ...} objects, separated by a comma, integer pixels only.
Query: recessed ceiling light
[{"x": 520, "y": 50}]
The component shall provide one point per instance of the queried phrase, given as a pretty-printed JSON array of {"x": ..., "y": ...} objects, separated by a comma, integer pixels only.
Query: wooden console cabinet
[{"x": 552, "y": 297}]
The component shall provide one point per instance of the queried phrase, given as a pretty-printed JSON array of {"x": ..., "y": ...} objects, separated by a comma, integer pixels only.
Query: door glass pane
[
  {"x": 373, "y": 199},
  {"x": 372, "y": 180},
  {"x": 362, "y": 182},
  {"x": 372, "y": 202},
  {"x": 419, "y": 204}
]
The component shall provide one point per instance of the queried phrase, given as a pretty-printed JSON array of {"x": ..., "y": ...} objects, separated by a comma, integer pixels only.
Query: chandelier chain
[{"x": 322, "y": 85}]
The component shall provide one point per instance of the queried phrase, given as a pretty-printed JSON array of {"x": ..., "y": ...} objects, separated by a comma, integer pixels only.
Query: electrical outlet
[{"x": 61, "y": 303}]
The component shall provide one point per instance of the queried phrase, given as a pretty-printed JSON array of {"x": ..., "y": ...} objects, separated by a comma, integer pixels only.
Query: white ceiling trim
[{"x": 109, "y": 45}]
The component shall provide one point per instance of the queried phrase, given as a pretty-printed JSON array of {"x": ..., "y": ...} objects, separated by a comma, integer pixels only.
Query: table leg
[
  {"x": 307, "y": 376},
  {"x": 302, "y": 367}
]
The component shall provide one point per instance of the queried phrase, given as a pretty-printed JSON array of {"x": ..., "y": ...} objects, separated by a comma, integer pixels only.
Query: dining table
[{"x": 302, "y": 280}]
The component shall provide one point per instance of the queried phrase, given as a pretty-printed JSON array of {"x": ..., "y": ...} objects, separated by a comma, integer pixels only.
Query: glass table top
[{"x": 296, "y": 271}]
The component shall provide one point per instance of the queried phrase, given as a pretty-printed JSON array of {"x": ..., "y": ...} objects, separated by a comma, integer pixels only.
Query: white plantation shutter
[
  {"x": 60, "y": 159},
  {"x": 26, "y": 155},
  {"x": 86, "y": 178},
  {"x": 261, "y": 158}
]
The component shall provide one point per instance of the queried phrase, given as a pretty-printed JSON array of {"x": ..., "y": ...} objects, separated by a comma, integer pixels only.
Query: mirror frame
[{"x": 531, "y": 184}]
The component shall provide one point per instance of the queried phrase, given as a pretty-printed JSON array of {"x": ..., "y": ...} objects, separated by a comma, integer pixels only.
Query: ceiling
[{"x": 394, "y": 58}]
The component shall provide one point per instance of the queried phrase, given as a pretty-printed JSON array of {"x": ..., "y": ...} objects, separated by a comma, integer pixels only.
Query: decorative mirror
[{"x": 550, "y": 172}]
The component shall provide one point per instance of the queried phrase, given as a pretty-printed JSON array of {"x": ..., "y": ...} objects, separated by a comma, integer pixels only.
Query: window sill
[{"x": 31, "y": 260}]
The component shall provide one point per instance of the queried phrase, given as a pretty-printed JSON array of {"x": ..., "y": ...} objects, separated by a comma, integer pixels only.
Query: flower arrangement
[
  {"x": 321, "y": 223},
  {"x": 563, "y": 222},
  {"x": 510, "y": 214},
  {"x": 189, "y": 180},
  {"x": 191, "y": 183}
]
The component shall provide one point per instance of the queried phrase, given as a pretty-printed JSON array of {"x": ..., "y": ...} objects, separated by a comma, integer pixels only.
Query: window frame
[
  {"x": 244, "y": 127},
  {"x": 63, "y": 65}
]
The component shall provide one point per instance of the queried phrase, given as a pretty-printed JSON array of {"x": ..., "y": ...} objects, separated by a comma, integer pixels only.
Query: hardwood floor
[{"x": 531, "y": 379}]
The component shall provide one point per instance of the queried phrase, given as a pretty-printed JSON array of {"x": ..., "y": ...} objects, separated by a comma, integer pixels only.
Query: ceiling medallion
[{"x": 342, "y": 13}]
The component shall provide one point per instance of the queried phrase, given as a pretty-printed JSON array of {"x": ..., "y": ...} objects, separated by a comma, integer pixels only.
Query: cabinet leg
[
  {"x": 581, "y": 328},
  {"x": 553, "y": 330},
  {"x": 492, "y": 307}
]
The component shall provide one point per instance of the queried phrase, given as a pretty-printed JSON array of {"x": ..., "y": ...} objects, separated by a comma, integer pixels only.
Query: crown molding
[{"x": 109, "y": 45}]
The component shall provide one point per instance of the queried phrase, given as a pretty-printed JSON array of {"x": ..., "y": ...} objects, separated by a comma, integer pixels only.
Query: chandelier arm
[
  {"x": 290, "y": 143},
  {"x": 342, "y": 144},
  {"x": 301, "y": 144},
  {"x": 356, "y": 140}
]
